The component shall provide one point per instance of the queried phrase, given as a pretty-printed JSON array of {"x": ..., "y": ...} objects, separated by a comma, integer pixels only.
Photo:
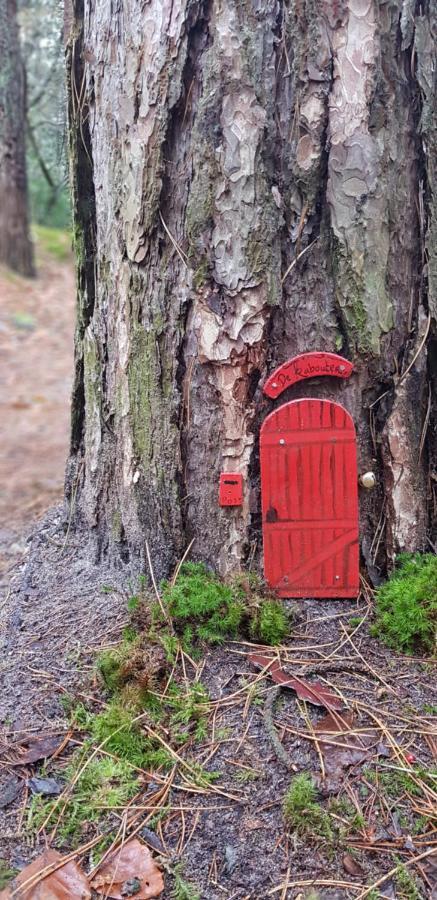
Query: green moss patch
[
  {"x": 406, "y": 605},
  {"x": 205, "y": 609},
  {"x": 302, "y": 813}
]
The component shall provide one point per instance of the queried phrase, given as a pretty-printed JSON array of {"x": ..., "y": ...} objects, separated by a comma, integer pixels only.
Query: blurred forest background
[
  {"x": 36, "y": 313},
  {"x": 41, "y": 28}
]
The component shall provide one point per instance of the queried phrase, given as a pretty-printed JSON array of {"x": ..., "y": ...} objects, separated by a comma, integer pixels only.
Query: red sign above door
[{"x": 307, "y": 365}]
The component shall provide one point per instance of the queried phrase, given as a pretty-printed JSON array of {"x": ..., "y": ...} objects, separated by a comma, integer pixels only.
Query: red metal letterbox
[{"x": 231, "y": 489}]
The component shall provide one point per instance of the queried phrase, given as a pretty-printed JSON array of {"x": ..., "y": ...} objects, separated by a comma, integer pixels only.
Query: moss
[
  {"x": 182, "y": 889},
  {"x": 205, "y": 608},
  {"x": 6, "y": 873},
  {"x": 142, "y": 380},
  {"x": 201, "y": 274},
  {"x": 302, "y": 813},
  {"x": 270, "y": 623},
  {"x": 117, "y": 527},
  {"x": 103, "y": 783},
  {"x": 406, "y": 886},
  {"x": 200, "y": 208},
  {"x": 406, "y": 605},
  {"x": 92, "y": 385},
  {"x": 351, "y": 297}
]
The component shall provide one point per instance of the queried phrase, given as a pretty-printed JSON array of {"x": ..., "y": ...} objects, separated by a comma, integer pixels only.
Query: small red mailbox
[{"x": 231, "y": 489}]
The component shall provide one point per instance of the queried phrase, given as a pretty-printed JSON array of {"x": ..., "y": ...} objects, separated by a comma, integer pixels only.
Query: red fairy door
[{"x": 310, "y": 500}]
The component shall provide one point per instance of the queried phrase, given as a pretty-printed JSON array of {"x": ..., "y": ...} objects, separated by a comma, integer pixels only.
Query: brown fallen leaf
[
  {"x": 353, "y": 750},
  {"x": 352, "y": 867},
  {"x": 9, "y": 790},
  {"x": 131, "y": 863},
  {"x": 34, "y": 749},
  {"x": 313, "y": 691},
  {"x": 66, "y": 883}
]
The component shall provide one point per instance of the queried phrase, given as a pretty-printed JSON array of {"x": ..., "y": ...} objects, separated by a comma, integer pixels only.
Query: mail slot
[{"x": 231, "y": 489}]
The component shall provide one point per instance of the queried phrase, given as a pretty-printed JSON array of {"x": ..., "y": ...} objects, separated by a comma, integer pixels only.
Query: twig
[
  {"x": 181, "y": 562},
  {"x": 164, "y": 611},
  {"x": 183, "y": 256},
  {"x": 298, "y": 257},
  {"x": 409, "y": 862}
]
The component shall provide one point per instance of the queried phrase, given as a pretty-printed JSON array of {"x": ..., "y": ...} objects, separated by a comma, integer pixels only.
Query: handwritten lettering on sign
[{"x": 307, "y": 365}]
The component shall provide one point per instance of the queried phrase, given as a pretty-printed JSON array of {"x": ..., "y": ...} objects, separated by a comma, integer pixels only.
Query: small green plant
[
  {"x": 302, "y": 812},
  {"x": 406, "y": 605},
  {"x": 104, "y": 783},
  {"x": 245, "y": 776},
  {"x": 354, "y": 622},
  {"x": 269, "y": 623},
  {"x": 6, "y": 873},
  {"x": 430, "y": 709},
  {"x": 406, "y": 886},
  {"x": 189, "y": 708},
  {"x": 204, "y": 608},
  {"x": 182, "y": 890},
  {"x": 345, "y": 810}
]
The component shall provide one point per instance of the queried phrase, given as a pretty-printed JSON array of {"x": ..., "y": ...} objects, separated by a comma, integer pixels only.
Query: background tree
[
  {"x": 43, "y": 54},
  {"x": 15, "y": 244},
  {"x": 251, "y": 180}
]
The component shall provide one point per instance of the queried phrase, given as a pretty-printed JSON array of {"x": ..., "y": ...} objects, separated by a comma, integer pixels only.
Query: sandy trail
[{"x": 36, "y": 353}]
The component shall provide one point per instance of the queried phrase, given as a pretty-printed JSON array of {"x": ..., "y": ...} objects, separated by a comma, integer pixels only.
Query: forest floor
[
  {"x": 211, "y": 807},
  {"x": 36, "y": 350}
]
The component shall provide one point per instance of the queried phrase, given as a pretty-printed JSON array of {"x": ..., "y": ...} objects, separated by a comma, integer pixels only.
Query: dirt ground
[
  {"x": 36, "y": 352},
  {"x": 231, "y": 837}
]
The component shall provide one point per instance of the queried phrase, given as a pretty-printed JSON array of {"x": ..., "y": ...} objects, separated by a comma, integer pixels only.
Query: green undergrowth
[
  {"x": 204, "y": 608},
  {"x": 153, "y": 711},
  {"x": 406, "y": 605},
  {"x": 302, "y": 813},
  {"x": 406, "y": 887},
  {"x": 6, "y": 873},
  {"x": 53, "y": 241},
  {"x": 182, "y": 889}
]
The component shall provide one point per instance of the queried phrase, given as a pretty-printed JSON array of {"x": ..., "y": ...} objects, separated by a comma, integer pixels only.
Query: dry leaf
[
  {"x": 34, "y": 749},
  {"x": 131, "y": 862},
  {"x": 66, "y": 883},
  {"x": 313, "y": 691},
  {"x": 9, "y": 790},
  {"x": 352, "y": 867},
  {"x": 353, "y": 750}
]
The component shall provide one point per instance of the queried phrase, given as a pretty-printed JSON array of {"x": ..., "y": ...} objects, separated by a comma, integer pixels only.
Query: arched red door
[{"x": 309, "y": 495}]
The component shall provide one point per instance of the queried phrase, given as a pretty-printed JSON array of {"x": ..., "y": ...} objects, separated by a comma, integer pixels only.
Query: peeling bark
[{"x": 212, "y": 143}]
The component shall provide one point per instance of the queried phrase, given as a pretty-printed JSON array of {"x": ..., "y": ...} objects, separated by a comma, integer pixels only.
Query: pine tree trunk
[
  {"x": 250, "y": 181},
  {"x": 15, "y": 244}
]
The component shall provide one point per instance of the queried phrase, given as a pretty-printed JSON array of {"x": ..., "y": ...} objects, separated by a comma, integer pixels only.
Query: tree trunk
[
  {"x": 251, "y": 181},
  {"x": 15, "y": 244}
]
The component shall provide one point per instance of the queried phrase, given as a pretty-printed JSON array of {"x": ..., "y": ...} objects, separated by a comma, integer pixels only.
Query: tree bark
[
  {"x": 212, "y": 143},
  {"x": 15, "y": 244}
]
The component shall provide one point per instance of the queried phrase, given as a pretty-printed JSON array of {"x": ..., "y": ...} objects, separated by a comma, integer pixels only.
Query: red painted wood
[
  {"x": 309, "y": 490},
  {"x": 307, "y": 365},
  {"x": 231, "y": 489}
]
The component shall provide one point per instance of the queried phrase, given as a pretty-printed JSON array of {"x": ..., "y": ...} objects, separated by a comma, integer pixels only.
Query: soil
[
  {"x": 59, "y": 609},
  {"x": 62, "y": 609},
  {"x": 36, "y": 349}
]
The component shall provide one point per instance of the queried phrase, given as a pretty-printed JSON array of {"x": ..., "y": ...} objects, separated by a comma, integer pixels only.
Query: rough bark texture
[
  {"x": 15, "y": 244},
  {"x": 212, "y": 143}
]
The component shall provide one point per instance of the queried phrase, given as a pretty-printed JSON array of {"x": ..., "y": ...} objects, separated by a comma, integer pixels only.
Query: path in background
[{"x": 36, "y": 353}]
